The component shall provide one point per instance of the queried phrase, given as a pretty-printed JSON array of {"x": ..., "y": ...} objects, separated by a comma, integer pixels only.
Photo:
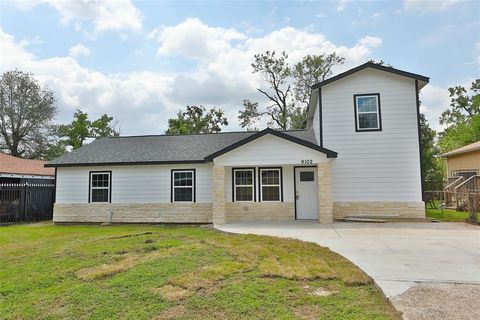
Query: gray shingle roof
[{"x": 161, "y": 148}]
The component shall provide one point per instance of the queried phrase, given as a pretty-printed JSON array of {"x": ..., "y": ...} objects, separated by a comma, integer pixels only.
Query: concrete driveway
[{"x": 398, "y": 256}]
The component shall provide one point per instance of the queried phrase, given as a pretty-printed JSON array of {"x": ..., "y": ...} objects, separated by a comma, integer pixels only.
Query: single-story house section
[
  {"x": 19, "y": 170},
  {"x": 464, "y": 161},
  {"x": 360, "y": 154}
]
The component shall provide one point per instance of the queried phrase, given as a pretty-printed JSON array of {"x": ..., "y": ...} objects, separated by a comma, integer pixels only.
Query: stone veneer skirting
[
  {"x": 259, "y": 211},
  {"x": 133, "y": 212},
  {"x": 403, "y": 209}
]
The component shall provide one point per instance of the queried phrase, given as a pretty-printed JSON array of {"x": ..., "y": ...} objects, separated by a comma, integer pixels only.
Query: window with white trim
[
  {"x": 183, "y": 185},
  {"x": 367, "y": 112},
  {"x": 243, "y": 185},
  {"x": 100, "y": 186},
  {"x": 271, "y": 184}
]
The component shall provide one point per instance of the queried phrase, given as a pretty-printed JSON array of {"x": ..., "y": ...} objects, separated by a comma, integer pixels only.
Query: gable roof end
[
  {"x": 329, "y": 153},
  {"x": 376, "y": 66}
]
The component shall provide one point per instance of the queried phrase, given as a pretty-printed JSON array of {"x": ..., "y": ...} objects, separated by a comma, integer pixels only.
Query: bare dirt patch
[{"x": 171, "y": 293}]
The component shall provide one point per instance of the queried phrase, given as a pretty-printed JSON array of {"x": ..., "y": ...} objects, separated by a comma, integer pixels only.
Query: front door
[{"x": 306, "y": 193}]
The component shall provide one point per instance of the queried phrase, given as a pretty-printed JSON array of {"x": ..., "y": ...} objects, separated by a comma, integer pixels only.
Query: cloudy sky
[{"x": 142, "y": 61}]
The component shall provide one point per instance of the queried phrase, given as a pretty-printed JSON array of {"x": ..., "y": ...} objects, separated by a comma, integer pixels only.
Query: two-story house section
[{"x": 360, "y": 155}]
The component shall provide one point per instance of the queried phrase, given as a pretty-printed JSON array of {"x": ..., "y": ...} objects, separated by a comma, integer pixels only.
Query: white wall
[
  {"x": 373, "y": 166},
  {"x": 132, "y": 184},
  {"x": 316, "y": 122},
  {"x": 269, "y": 150}
]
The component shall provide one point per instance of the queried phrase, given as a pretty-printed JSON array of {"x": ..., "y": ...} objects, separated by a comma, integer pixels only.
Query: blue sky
[{"x": 141, "y": 61}]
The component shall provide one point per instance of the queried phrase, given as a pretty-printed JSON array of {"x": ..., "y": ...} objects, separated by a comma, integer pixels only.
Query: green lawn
[
  {"x": 447, "y": 215},
  {"x": 174, "y": 272}
]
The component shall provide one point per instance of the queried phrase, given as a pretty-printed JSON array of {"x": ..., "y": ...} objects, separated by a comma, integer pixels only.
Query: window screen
[
  {"x": 183, "y": 186},
  {"x": 99, "y": 186},
  {"x": 270, "y": 184},
  {"x": 243, "y": 184}
]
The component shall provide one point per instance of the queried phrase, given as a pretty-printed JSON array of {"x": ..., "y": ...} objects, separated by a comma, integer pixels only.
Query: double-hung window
[
  {"x": 244, "y": 184},
  {"x": 183, "y": 185},
  {"x": 100, "y": 183},
  {"x": 367, "y": 112},
  {"x": 270, "y": 184}
]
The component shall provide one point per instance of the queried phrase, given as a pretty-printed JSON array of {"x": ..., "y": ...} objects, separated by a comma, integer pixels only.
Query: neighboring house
[
  {"x": 464, "y": 161},
  {"x": 360, "y": 155},
  {"x": 463, "y": 170},
  {"x": 18, "y": 170}
]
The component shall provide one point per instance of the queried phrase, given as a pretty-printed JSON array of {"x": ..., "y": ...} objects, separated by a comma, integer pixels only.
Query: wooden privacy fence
[{"x": 26, "y": 202}]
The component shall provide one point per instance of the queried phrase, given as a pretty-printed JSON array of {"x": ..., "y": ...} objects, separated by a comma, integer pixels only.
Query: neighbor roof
[
  {"x": 13, "y": 165},
  {"x": 468, "y": 148},
  {"x": 374, "y": 66},
  {"x": 194, "y": 148}
]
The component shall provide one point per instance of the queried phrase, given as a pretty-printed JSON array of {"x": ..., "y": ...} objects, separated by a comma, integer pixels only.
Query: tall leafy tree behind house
[
  {"x": 462, "y": 118},
  {"x": 287, "y": 89},
  {"x": 26, "y": 113},
  {"x": 75, "y": 133},
  {"x": 433, "y": 168},
  {"x": 197, "y": 119}
]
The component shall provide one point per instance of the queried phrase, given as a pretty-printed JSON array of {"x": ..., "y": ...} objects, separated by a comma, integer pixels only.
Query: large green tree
[
  {"x": 26, "y": 113},
  {"x": 462, "y": 118},
  {"x": 197, "y": 119},
  {"x": 288, "y": 88},
  {"x": 433, "y": 168},
  {"x": 75, "y": 133}
]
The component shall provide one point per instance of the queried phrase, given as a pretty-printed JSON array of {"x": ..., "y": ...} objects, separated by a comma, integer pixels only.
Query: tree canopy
[
  {"x": 197, "y": 119},
  {"x": 26, "y": 114},
  {"x": 75, "y": 133},
  {"x": 462, "y": 118},
  {"x": 288, "y": 88}
]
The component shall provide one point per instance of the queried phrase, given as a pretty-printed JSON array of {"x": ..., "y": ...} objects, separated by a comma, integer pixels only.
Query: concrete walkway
[{"x": 398, "y": 256}]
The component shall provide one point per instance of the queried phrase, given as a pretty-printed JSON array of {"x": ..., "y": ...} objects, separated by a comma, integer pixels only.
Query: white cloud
[
  {"x": 142, "y": 101},
  {"x": 194, "y": 39},
  {"x": 424, "y": 6},
  {"x": 105, "y": 15},
  {"x": 370, "y": 41},
  {"x": 434, "y": 100},
  {"x": 341, "y": 5},
  {"x": 78, "y": 50}
]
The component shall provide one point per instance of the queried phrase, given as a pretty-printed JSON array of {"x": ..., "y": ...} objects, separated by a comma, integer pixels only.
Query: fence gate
[{"x": 26, "y": 202}]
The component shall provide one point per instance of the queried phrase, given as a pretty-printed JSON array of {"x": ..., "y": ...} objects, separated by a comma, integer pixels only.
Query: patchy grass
[{"x": 172, "y": 272}]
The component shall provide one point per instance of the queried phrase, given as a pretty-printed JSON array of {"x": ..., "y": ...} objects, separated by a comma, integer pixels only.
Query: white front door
[{"x": 306, "y": 193}]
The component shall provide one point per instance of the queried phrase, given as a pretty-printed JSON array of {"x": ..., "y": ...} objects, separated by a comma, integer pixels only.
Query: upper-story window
[
  {"x": 367, "y": 112},
  {"x": 100, "y": 183},
  {"x": 183, "y": 185}
]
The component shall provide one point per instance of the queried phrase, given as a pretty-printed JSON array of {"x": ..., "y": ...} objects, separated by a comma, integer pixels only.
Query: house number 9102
[{"x": 307, "y": 161}]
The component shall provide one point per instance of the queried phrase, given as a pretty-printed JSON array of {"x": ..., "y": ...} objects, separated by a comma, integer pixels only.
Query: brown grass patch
[
  {"x": 308, "y": 312},
  {"x": 123, "y": 262},
  {"x": 171, "y": 293},
  {"x": 175, "y": 312}
]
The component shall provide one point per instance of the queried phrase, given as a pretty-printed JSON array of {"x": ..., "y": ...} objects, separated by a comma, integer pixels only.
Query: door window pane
[{"x": 307, "y": 176}]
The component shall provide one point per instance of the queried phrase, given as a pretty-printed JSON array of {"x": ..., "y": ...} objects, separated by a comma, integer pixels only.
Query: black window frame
[
  {"x": 90, "y": 187},
  {"x": 252, "y": 169},
  {"x": 379, "y": 112},
  {"x": 172, "y": 185},
  {"x": 260, "y": 196}
]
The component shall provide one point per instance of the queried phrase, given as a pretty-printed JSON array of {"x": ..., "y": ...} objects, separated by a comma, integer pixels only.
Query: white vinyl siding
[
  {"x": 267, "y": 151},
  {"x": 378, "y": 165},
  {"x": 132, "y": 184}
]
